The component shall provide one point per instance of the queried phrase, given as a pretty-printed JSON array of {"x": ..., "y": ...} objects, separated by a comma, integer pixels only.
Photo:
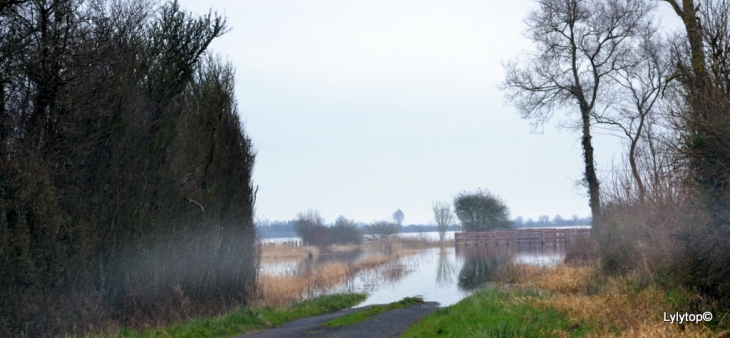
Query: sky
[{"x": 361, "y": 108}]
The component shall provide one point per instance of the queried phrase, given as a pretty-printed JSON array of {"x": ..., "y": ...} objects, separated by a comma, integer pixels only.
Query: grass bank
[
  {"x": 246, "y": 319},
  {"x": 496, "y": 313},
  {"x": 566, "y": 301}
]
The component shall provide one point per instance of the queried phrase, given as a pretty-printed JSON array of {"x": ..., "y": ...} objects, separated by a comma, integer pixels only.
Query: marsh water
[{"x": 442, "y": 274}]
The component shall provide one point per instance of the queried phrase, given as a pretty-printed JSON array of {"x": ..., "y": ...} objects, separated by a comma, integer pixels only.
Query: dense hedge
[{"x": 125, "y": 173}]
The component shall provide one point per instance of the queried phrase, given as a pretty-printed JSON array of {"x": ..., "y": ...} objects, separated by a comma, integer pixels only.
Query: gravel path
[{"x": 387, "y": 324}]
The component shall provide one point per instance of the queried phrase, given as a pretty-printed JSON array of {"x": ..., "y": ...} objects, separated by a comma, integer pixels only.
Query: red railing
[{"x": 521, "y": 236}]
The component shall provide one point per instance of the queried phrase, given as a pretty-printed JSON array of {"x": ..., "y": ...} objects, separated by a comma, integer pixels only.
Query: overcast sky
[{"x": 360, "y": 108}]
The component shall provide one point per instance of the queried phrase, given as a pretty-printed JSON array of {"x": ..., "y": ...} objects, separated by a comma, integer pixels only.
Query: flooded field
[{"x": 410, "y": 266}]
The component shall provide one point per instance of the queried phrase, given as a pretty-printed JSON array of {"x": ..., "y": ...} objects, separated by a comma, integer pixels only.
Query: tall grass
[
  {"x": 271, "y": 251},
  {"x": 629, "y": 305}
]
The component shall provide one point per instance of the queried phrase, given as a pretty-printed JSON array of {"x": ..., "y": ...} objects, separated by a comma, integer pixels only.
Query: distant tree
[
  {"x": 345, "y": 231},
  {"x": 443, "y": 216},
  {"x": 518, "y": 222},
  {"x": 544, "y": 219},
  {"x": 481, "y": 211},
  {"x": 310, "y": 227},
  {"x": 382, "y": 229},
  {"x": 558, "y": 219},
  {"x": 398, "y": 217}
]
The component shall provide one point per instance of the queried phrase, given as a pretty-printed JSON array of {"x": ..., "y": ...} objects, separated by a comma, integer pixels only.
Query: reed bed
[
  {"x": 287, "y": 250},
  {"x": 285, "y": 289},
  {"x": 312, "y": 279},
  {"x": 308, "y": 278},
  {"x": 620, "y": 306},
  {"x": 344, "y": 247},
  {"x": 399, "y": 246}
]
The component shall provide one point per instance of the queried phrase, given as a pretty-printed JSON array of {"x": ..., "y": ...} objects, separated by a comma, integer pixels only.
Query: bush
[
  {"x": 480, "y": 211},
  {"x": 382, "y": 229},
  {"x": 310, "y": 227},
  {"x": 345, "y": 231},
  {"x": 125, "y": 172}
]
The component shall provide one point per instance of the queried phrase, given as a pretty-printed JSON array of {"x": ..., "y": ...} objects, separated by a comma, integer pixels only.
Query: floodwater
[{"x": 445, "y": 275}]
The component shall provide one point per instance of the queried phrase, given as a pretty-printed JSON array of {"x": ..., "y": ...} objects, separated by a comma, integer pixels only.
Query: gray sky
[{"x": 359, "y": 108}]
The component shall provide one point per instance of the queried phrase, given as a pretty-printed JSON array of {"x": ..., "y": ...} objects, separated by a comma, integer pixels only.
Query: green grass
[
  {"x": 494, "y": 313},
  {"x": 246, "y": 319},
  {"x": 361, "y": 316}
]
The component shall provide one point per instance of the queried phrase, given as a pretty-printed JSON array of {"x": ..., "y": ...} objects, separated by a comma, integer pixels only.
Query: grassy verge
[
  {"x": 572, "y": 301},
  {"x": 364, "y": 315},
  {"x": 246, "y": 319},
  {"x": 495, "y": 313}
]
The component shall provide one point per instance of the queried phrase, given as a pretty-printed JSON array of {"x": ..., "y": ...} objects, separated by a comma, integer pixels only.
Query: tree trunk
[
  {"x": 632, "y": 160},
  {"x": 590, "y": 173}
]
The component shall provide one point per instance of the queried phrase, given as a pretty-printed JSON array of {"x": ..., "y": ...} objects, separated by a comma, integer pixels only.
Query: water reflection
[
  {"x": 479, "y": 262},
  {"x": 445, "y": 271}
]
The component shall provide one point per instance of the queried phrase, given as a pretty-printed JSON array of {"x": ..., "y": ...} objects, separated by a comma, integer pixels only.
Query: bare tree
[
  {"x": 443, "y": 216},
  {"x": 578, "y": 46},
  {"x": 639, "y": 86}
]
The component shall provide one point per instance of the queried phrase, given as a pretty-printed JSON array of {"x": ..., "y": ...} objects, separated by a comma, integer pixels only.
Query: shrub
[
  {"x": 382, "y": 229},
  {"x": 345, "y": 231},
  {"x": 481, "y": 211},
  {"x": 310, "y": 227}
]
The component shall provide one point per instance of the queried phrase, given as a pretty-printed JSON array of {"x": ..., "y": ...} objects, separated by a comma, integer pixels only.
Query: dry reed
[
  {"x": 313, "y": 279},
  {"x": 343, "y": 247},
  {"x": 272, "y": 251},
  {"x": 618, "y": 305}
]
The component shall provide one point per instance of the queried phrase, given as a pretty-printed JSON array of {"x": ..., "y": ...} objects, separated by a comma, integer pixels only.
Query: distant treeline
[
  {"x": 279, "y": 229},
  {"x": 276, "y": 229},
  {"x": 125, "y": 173},
  {"x": 545, "y": 221}
]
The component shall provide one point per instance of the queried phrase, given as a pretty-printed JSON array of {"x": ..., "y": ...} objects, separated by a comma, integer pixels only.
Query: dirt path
[{"x": 387, "y": 324}]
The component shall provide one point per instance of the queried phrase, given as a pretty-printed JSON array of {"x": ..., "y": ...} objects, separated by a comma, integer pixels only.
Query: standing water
[
  {"x": 447, "y": 275},
  {"x": 441, "y": 274}
]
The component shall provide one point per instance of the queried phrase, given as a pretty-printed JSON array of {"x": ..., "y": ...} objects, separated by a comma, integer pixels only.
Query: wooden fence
[{"x": 521, "y": 236}]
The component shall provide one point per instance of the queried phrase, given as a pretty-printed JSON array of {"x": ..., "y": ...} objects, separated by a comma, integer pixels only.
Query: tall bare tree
[
  {"x": 577, "y": 46},
  {"x": 638, "y": 87},
  {"x": 443, "y": 216}
]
